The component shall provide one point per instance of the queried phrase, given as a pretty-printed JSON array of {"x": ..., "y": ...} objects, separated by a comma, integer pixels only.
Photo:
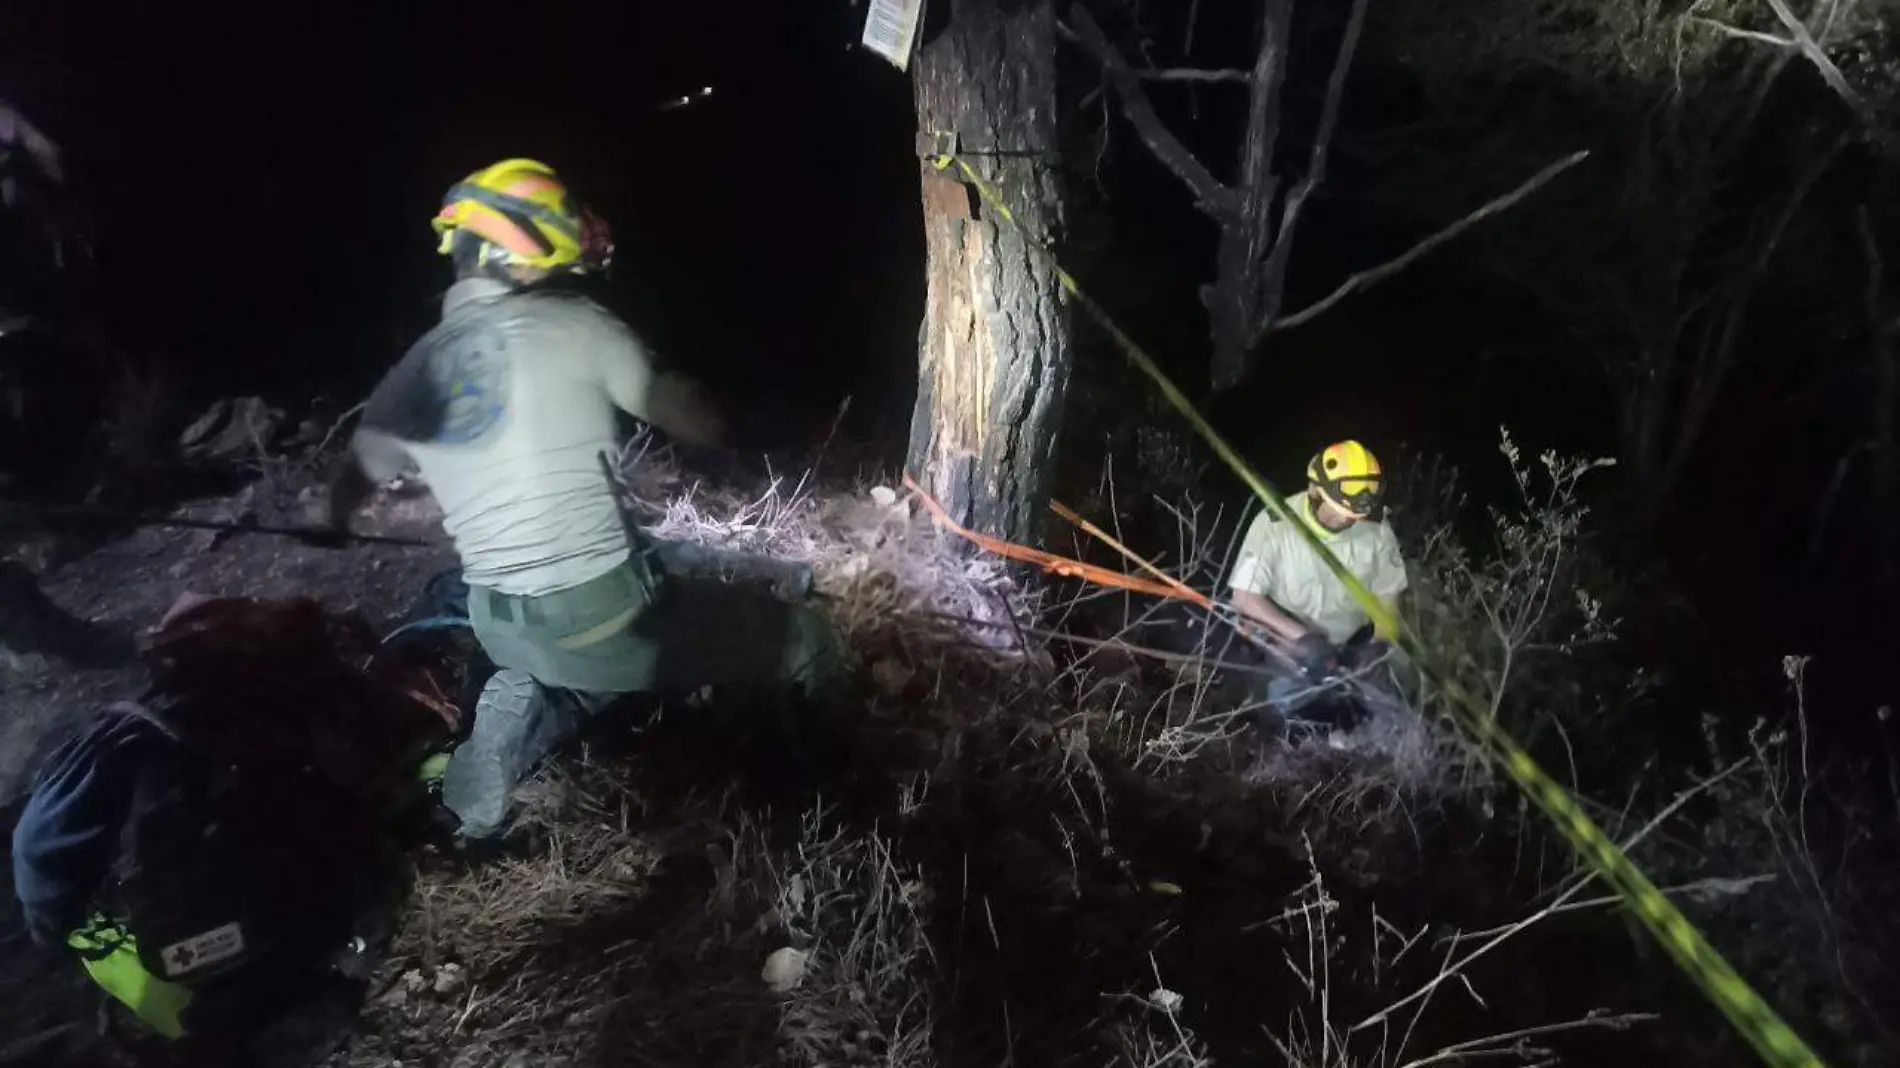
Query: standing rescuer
[
  {"x": 1286, "y": 590},
  {"x": 506, "y": 408}
]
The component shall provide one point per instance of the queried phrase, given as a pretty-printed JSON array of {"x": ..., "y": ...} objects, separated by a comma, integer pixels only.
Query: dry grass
[
  {"x": 564, "y": 958},
  {"x": 858, "y": 961},
  {"x": 591, "y": 947},
  {"x": 664, "y": 925}
]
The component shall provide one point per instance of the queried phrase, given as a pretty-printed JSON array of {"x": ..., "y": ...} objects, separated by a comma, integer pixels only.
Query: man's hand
[
  {"x": 1317, "y": 658},
  {"x": 679, "y": 406}
]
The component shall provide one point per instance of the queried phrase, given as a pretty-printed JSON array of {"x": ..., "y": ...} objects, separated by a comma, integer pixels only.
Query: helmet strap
[
  {"x": 465, "y": 252},
  {"x": 517, "y": 210},
  {"x": 1323, "y": 492},
  {"x": 475, "y": 258}
]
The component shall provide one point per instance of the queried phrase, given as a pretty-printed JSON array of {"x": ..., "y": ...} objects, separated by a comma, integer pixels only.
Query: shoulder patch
[{"x": 451, "y": 388}]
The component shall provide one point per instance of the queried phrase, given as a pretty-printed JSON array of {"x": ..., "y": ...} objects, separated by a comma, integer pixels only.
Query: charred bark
[{"x": 994, "y": 351}]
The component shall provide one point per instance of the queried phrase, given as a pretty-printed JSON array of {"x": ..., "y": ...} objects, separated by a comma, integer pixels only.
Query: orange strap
[
  {"x": 1050, "y": 562},
  {"x": 1180, "y": 590}
]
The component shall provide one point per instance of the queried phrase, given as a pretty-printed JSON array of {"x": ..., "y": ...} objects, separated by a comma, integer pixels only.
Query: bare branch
[
  {"x": 1316, "y": 160},
  {"x": 1747, "y": 35},
  {"x": 1831, "y": 74},
  {"x": 1514, "y": 1042},
  {"x": 1369, "y": 278},
  {"x": 1700, "y": 889},
  {"x": 1213, "y": 197},
  {"x": 1190, "y": 74},
  {"x": 1451, "y": 970}
]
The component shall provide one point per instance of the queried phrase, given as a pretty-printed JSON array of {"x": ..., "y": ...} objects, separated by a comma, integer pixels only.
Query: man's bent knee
[{"x": 516, "y": 724}]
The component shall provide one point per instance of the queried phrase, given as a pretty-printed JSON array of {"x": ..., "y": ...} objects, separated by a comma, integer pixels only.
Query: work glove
[{"x": 1316, "y": 657}]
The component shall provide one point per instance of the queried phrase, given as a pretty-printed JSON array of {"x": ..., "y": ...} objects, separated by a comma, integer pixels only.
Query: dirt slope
[{"x": 128, "y": 578}]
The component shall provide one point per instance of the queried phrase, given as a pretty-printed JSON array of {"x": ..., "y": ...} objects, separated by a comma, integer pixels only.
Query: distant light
[{"x": 675, "y": 103}]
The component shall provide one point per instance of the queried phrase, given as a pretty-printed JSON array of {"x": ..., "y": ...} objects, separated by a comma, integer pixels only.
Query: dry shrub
[
  {"x": 862, "y": 995},
  {"x": 880, "y": 568},
  {"x": 1332, "y": 963},
  {"x": 1817, "y": 934}
]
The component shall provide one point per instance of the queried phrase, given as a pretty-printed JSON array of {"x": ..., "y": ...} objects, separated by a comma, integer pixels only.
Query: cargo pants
[{"x": 566, "y": 655}]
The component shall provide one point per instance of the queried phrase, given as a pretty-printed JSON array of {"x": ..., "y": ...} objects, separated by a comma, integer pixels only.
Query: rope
[{"x": 1773, "y": 1040}]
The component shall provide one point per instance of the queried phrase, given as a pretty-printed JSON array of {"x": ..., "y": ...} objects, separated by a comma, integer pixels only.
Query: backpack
[
  {"x": 196, "y": 869},
  {"x": 207, "y": 866}
]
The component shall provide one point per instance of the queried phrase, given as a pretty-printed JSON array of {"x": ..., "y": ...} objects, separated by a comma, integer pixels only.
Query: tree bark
[{"x": 994, "y": 352}]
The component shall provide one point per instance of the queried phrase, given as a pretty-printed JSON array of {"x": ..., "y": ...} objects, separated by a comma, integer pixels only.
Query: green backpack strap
[{"x": 110, "y": 955}]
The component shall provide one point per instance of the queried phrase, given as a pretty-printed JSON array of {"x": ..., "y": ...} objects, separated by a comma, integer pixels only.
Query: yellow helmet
[
  {"x": 521, "y": 213},
  {"x": 1349, "y": 476}
]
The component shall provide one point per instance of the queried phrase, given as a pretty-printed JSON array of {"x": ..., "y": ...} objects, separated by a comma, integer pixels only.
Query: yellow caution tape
[{"x": 1776, "y": 1042}]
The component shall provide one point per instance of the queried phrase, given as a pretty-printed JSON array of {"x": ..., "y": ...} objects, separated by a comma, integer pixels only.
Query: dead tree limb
[
  {"x": 1812, "y": 51},
  {"x": 1258, "y": 217},
  {"x": 1190, "y": 74},
  {"x": 1282, "y": 253},
  {"x": 1803, "y": 41},
  {"x": 1211, "y": 196},
  {"x": 1243, "y": 295},
  {"x": 1368, "y": 278},
  {"x": 1756, "y": 36}
]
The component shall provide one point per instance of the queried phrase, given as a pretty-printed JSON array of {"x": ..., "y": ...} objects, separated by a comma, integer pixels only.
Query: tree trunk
[
  {"x": 1246, "y": 292},
  {"x": 994, "y": 353}
]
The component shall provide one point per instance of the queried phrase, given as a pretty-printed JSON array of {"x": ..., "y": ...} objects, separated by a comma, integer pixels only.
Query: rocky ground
[{"x": 125, "y": 580}]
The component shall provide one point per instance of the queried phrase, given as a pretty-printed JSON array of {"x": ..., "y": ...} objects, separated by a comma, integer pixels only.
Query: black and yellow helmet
[
  {"x": 1349, "y": 476},
  {"x": 523, "y": 215}
]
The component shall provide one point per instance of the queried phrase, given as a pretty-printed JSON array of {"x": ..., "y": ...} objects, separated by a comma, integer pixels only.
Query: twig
[
  {"x": 1733, "y": 887},
  {"x": 1453, "y": 970},
  {"x": 1215, "y": 198},
  {"x": 1181, "y": 589},
  {"x": 334, "y": 427},
  {"x": 1109, "y": 643},
  {"x": 1831, "y": 74},
  {"x": 1368, "y": 278},
  {"x": 1477, "y": 1046},
  {"x": 1190, "y": 74},
  {"x": 838, "y": 420},
  {"x": 1747, "y": 35}
]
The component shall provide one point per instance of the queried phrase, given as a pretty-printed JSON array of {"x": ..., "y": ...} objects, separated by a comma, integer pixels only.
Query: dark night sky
[{"x": 263, "y": 176}]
